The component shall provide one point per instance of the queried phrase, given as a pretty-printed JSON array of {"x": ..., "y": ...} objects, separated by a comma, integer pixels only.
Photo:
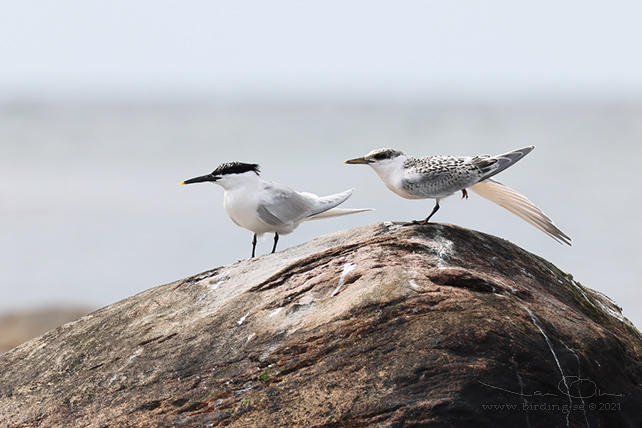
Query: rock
[{"x": 381, "y": 325}]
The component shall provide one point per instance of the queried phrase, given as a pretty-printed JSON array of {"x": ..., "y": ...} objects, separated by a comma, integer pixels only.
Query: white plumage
[
  {"x": 438, "y": 177},
  {"x": 267, "y": 207}
]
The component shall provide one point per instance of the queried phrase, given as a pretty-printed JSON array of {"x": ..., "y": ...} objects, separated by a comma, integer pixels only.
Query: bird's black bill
[
  {"x": 202, "y": 179},
  {"x": 357, "y": 161}
]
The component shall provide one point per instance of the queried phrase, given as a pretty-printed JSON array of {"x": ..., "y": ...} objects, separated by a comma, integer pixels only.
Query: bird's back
[
  {"x": 441, "y": 176},
  {"x": 438, "y": 176},
  {"x": 281, "y": 205},
  {"x": 283, "y": 208}
]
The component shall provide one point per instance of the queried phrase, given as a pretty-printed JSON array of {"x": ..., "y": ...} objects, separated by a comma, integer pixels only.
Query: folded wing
[
  {"x": 325, "y": 206},
  {"x": 280, "y": 205}
]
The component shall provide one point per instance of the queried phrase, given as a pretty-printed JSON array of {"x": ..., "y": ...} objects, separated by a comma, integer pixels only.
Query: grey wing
[
  {"x": 491, "y": 165},
  {"x": 280, "y": 205},
  {"x": 325, "y": 203}
]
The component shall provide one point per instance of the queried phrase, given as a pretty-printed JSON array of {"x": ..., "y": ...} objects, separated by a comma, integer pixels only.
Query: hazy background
[{"x": 106, "y": 107}]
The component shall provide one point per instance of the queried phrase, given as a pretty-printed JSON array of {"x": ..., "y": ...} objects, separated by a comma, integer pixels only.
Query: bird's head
[
  {"x": 227, "y": 173},
  {"x": 378, "y": 157}
]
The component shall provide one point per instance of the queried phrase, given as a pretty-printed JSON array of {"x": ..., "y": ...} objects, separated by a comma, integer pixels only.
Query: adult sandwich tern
[
  {"x": 438, "y": 177},
  {"x": 267, "y": 207}
]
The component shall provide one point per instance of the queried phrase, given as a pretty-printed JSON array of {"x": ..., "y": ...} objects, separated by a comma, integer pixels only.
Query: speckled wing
[
  {"x": 280, "y": 205},
  {"x": 439, "y": 176}
]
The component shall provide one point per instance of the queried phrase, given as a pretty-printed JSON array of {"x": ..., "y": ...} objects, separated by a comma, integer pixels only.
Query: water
[{"x": 91, "y": 210}]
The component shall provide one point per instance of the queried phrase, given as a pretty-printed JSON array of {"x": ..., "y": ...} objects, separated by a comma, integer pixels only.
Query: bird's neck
[
  {"x": 243, "y": 182},
  {"x": 390, "y": 170}
]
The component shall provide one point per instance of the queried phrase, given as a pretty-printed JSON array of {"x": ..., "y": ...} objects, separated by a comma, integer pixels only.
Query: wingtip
[
  {"x": 519, "y": 205},
  {"x": 565, "y": 239}
]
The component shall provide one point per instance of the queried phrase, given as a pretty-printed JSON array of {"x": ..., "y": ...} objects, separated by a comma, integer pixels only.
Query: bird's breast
[
  {"x": 393, "y": 178},
  {"x": 403, "y": 191},
  {"x": 242, "y": 208}
]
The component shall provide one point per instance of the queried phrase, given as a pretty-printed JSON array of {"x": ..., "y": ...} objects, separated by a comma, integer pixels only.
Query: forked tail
[
  {"x": 519, "y": 205},
  {"x": 338, "y": 212},
  {"x": 325, "y": 206}
]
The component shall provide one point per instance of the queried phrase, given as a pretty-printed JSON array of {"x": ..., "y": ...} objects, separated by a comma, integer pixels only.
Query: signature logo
[{"x": 570, "y": 386}]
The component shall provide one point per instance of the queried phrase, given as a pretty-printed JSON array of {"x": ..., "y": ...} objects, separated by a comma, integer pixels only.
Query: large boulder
[{"x": 383, "y": 325}]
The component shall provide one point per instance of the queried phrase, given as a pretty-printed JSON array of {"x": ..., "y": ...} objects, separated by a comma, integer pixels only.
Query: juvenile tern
[
  {"x": 267, "y": 207},
  {"x": 438, "y": 177}
]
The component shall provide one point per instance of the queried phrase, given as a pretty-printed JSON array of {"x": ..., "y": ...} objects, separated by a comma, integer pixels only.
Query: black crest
[
  {"x": 235, "y": 168},
  {"x": 382, "y": 154}
]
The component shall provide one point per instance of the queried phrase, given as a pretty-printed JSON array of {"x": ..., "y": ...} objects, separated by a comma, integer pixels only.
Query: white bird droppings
[
  {"x": 214, "y": 286},
  {"x": 136, "y": 353},
  {"x": 349, "y": 267},
  {"x": 276, "y": 311},
  {"x": 239, "y": 322}
]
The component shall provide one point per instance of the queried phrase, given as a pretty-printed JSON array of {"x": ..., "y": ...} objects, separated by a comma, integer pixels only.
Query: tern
[
  {"x": 438, "y": 177},
  {"x": 267, "y": 207}
]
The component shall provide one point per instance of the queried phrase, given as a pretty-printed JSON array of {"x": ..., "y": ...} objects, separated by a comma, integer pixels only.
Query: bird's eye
[{"x": 380, "y": 156}]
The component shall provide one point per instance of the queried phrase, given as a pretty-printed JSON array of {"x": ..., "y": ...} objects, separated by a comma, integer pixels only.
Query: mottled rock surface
[{"x": 381, "y": 325}]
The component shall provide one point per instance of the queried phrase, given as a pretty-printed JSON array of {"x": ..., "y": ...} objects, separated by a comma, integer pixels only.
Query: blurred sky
[
  {"x": 401, "y": 49},
  {"x": 383, "y": 52}
]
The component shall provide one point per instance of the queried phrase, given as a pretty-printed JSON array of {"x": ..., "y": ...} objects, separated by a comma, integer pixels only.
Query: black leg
[
  {"x": 434, "y": 210},
  {"x": 464, "y": 194},
  {"x": 276, "y": 239},
  {"x": 253, "y": 245}
]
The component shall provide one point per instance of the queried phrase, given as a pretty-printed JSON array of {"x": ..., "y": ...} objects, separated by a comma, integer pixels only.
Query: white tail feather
[
  {"x": 519, "y": 205},
  {"x": 337, "y": 212}
]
